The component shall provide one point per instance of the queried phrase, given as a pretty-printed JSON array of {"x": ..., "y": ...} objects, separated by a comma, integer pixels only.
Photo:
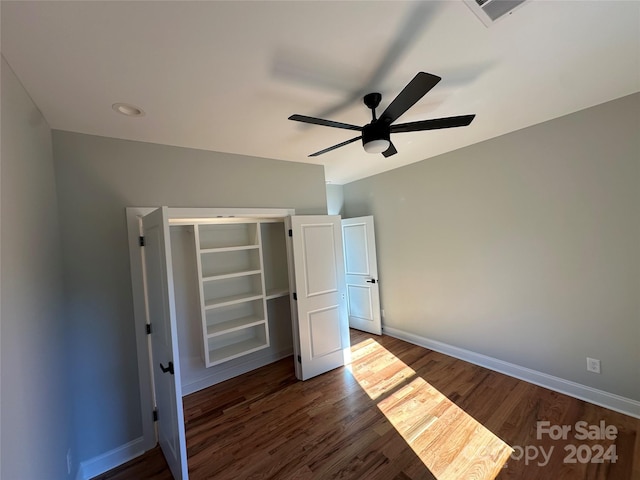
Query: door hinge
[
  {"x": 141, "y": 241},
  {"x": 290, "y": 233},
  {"x": 295, "y": 296},
  {"x": 299, "y": 359},
  {"x": 148, "y": 329},
  {"x": 168, "y": 368},
  {"x": 155, "y": 414}
]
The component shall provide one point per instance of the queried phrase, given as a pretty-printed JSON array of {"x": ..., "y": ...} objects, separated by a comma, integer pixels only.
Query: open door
[
  {"x": 318, "y": 307},
  {"x": 361, "y": 274},
  {"x": 164, "y": 341}
]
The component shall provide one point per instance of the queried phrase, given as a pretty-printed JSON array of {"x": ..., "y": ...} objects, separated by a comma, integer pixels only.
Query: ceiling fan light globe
[{"x": 377, "y": 146}]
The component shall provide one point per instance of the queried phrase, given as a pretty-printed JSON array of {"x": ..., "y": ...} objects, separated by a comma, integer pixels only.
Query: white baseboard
[
  {"x": 111, "y": 459},
  {"x": 582, "y": 392},
  {"x": 222, "y": 373}
]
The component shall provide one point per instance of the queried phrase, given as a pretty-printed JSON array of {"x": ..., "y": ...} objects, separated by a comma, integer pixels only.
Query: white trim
[
  {"x": 582, "y": 392},
  {"x": 203, "y": 215},
  {"x": 111, "y": 459}
]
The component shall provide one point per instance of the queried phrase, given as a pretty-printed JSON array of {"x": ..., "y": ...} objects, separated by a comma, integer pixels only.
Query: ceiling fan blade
[
  {"x": 335, "y": 146},
  {"x": 325, "y": 123},
  {"x": 448, "y": 122},
  {"x": 414, "y": 24},
  {"x": 407, "y": 98},
  {"x": 299, "y": 66},
  {"x": 390, "y": 151}
]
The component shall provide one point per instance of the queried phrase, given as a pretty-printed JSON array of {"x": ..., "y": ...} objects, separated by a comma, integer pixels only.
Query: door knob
[
  {"x": 167, "y": 369},
  {"x": 373, "y": 280}
]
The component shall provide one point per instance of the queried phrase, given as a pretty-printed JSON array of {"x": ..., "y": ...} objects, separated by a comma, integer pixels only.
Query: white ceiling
[{"x": 224, "y": 76}]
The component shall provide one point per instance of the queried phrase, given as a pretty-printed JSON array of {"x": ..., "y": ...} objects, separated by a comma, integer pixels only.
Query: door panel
[
  {"x": 360, "y": 302},
  {"x": 158, "y": 272},
  {"x": 319, "y": 259},
  {"x": 322, "y": 326},
  {"x": 361, "y": 274},
  {"x": 356, "y": 260},
  {"x": 321, "y": 330}
]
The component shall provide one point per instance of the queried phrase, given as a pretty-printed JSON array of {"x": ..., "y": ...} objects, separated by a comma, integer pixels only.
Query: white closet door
[
  {"x": 164, "y": 341},
  {"x": 321, "y": 329},
  {"x": 361, "y": 272}
]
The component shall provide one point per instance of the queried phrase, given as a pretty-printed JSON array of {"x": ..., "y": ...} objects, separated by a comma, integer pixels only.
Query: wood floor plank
[{"x": 397, "y": 410}]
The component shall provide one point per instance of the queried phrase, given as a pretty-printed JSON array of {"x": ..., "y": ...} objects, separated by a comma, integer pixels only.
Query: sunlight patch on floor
[{"x": 451, "y": 443}]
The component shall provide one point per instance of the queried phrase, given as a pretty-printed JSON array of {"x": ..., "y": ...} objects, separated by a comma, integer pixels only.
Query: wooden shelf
[
  {"x": 228, "y": 249},
  {"x": 217, "y": 237},
  {"x": 233, "y": 325},
  {"x": 231, "y": 300},
  {"x": 232, "y": 275},
  {"x": 277, "y": 293},
  {"x": 235, "y": 350}
]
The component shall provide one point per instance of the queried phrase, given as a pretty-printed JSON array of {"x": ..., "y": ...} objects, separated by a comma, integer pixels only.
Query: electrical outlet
[
  {"x": 69, "y": 462},
  {"x": 382, "y": 313},
  {"x": 593, "y": 365}
]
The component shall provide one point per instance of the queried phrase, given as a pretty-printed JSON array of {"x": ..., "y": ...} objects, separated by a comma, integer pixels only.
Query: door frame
[{"x": 177, "y": 216}]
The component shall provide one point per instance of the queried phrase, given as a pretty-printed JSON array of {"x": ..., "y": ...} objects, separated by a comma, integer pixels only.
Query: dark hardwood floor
[{"x": 399, "y": 412}]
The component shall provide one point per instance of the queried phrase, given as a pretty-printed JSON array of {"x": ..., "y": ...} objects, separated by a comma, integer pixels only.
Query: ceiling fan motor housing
[{"x": 376, "y": 131}]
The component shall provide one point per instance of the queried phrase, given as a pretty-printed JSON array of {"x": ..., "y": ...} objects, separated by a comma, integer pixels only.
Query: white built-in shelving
[
  {"x": 240, "y": 269},
  {"x": 232, "y": 290}
]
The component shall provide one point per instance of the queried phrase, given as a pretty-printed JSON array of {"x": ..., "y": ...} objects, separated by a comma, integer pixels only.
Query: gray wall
[
  {"x": 35, "y": 394},
  {"x": 335, "y": 200},
  {"x": 524, "y": 247},
  {"x": 97, "y": 178}
]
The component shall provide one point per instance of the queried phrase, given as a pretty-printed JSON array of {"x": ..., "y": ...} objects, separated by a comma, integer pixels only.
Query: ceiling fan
[{"x": 376, "y": 135}]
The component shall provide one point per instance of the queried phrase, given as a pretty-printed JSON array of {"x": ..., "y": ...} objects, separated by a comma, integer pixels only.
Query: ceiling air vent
[{"x": 488, "y": 11}]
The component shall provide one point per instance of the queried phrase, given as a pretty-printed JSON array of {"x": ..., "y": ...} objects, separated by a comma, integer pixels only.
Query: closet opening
[
  {"x": 230, "y": 281},
  {"x": 221, "y": 292}
]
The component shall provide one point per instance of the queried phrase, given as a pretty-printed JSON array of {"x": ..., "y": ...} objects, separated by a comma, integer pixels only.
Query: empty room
[{"x": 320, "y": 239}]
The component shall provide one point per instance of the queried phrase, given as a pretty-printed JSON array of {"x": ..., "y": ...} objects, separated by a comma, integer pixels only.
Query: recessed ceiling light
[{"x": 128, "y": 109}]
